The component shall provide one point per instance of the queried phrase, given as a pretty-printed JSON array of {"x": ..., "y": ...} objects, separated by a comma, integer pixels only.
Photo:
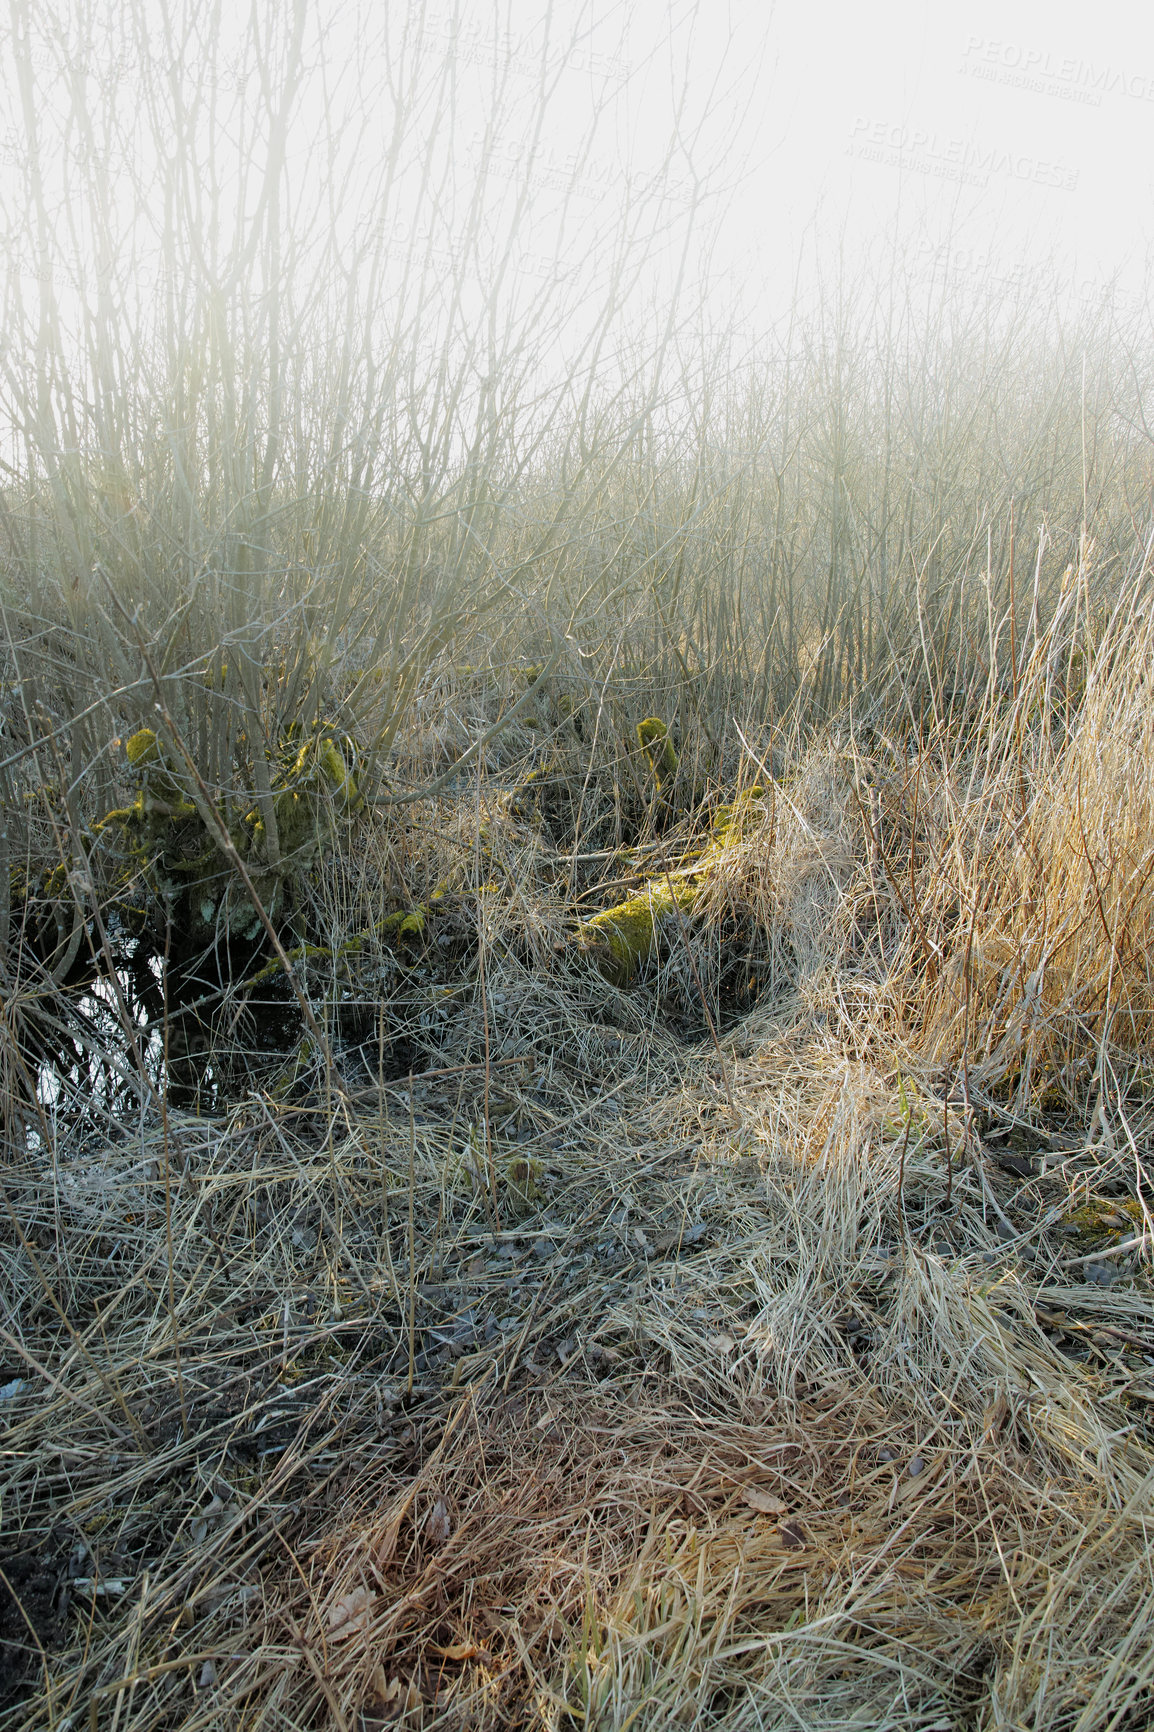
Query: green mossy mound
[
  {"x": 1101, "y": 1217},
  {"x": 653, "y": 738},
  {"x": 169, "y": 841},
  {"x": 177, "y": 853},
  {"x": 405, "y": 929}
]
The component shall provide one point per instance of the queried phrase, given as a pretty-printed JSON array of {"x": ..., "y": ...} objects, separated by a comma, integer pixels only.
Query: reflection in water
[
  {"x": 113, "y": 1043},
  {"x": 109, "y": 1048}
]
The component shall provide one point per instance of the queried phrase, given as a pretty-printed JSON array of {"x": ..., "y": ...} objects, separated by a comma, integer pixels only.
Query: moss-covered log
[
  {"x": 621, "y": 938},
  {"x": 404, "y": 928}
]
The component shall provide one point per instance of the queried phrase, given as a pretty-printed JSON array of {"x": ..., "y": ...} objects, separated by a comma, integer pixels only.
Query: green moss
[
  {"x": 406, "y": 926},
  {"x": 522, "y": 1190},
  {"x": 1091, "y": 1221},
  {"x": 314, "y": 776},
  {"x": 523, "y": 800},
  {"x": 339, "y": 777},
  {"x": 56, "y": 882},
  {"x": 300, "y": 953},
  {"x": 620, "y": 939},
  {"x": 313, "y": 783},
  {"x": 653, "y": 737},
  {"x": 206, "y": 861},
  {"x": 729, "y": 820},
  {"x": 142, "y": 748},
  {"x": 296, "y": 822},
  {"x": 163, "y": 794}
]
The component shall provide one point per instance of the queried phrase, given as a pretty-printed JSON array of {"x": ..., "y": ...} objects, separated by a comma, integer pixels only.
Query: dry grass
[
  {"x": 766, "y": 1344},
  {"x": 634, "y": 1378}
]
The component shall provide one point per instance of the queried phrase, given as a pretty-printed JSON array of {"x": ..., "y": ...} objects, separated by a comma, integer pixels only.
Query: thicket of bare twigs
[{"x": 412, "y": 1313}]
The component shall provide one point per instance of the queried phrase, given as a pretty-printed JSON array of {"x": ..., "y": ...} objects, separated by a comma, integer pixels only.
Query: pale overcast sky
[
  {"x": 1000, "y": 137},
  {"x": 1006, "y": 132}
]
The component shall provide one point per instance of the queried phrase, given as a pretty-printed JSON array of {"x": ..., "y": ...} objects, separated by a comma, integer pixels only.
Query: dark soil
[{"x": 29, "y": 1621}]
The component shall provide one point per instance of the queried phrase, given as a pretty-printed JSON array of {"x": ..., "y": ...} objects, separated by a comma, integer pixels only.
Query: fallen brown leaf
[
  {"x": 350, "y": 1613},
  {"x": 461, "y": 1651},
  {"x": 764, "y": 1502},
  {"x": 438, "y": 1526}
]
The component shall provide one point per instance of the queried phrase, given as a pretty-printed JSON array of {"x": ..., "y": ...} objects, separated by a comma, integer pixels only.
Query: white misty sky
[
  {"x": 1002, "y": 136},
  {"x": 1021, "y": 131},
  {"x": 1010, "y": 133}
]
